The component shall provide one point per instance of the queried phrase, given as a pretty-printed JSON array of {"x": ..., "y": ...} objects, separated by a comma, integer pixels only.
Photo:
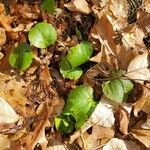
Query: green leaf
[
  {"x": 42, "y": 35},
  {"x": 65, "y": 123},
  {"x": 21, "y": 57},
  {"x": 117, "y": 90},
  {"x": 79, "y": 54},
  {"x": 49, "y": 6},
  {"x": 72, "y": 74},
  {"x": 80, "y": 105},
  {"x": 76, "y": 56}
]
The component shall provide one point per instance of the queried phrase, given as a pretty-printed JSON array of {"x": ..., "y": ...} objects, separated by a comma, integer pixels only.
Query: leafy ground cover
[{"x": 74, "y": 74}]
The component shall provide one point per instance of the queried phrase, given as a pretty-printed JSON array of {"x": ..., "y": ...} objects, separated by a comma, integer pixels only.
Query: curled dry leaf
[
  {"x": 138, "y": 68},
  {"x": 2, "y": 37},
  {"x": 78, "y": 5},
  {"x": 118, "y": 144},
  {"x": 123, "y": 120},
  {"x": 103, "y": 115}
]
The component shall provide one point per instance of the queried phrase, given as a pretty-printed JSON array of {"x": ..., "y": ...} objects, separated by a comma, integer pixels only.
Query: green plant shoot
[{"x": 79, "y": 106}]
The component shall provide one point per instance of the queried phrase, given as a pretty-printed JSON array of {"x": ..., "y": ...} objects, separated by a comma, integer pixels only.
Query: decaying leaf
[
  {"x": 38, "y": 135},
  {"x": 99, "y": 136},
  {"x": 138, "y": 68},
  {"x": 103, "y": 115},
  {"x": 142, "y": 135}
]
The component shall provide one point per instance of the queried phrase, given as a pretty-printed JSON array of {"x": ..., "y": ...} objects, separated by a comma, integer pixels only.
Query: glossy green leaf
[
  {"x": 80, "y": 105},
  {"x": 117, "y": 90},
  {"x": 21, "y": 57},
  {"x": 76, "y": 56},
  {"x": 49, "y": 6},
  {"x": 79, "y": 54},
  {"x": 72, "y": 74},
  {"x": 42, "y": 35}
]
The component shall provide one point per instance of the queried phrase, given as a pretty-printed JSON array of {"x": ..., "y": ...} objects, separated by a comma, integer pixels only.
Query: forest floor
[{"x": 101, "y": 102}]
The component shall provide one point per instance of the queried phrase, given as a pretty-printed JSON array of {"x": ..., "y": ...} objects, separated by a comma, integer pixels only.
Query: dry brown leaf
[
  {"x": 103, "y": 31},
  {"x": 146, "y": 125},
  {"x": 29, "y": 141},
  {"x": 142, "y": 135},
  {"x": 139, "y": 104},
  {"x": 4, "y": 142},
  {"x": 123, "y": 120},
  {"x": 98, "y": 137},
  {"x": 5, "y": 20},
  {"x": 13, "y": 90},
  {"x": 2, "y": 37},
  {"x": 78, "y": 5},
  {"x": 138, "y": 68},
  {"x": 147, "y": 5},
  {"x": 131, "y": 39},
  {"x": 25, "y": 11}
]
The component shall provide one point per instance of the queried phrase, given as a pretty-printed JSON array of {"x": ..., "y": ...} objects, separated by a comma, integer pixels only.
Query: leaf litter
[{"x": 32, "y": 97}]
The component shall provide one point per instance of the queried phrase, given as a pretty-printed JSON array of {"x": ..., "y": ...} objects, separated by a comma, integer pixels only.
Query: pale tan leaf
[
  {"x": 138, "y": 68},
  {"x": 98, "y": 137},
  {"x": 147, "y": 5},
  {"x": 118, "y": 144},
  {"x": 78, "y": 5},
  {"x": 146, "y": 125},
  {"x": 103, "y": 115},
  {"x": 4, "y": 142},
  {"x": 7, "y": 113},
  {"x": 142, "y": 135},
  {"x": 13, "y": 91}
]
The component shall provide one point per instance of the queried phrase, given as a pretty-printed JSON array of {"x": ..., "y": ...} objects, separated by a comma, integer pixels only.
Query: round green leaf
[
  {"x": 79, "y": 54},
  {"x": 42, "y": 35},
  {"x": 72, "y": 74},
  {"x": 21, "y": 57},
  {"x": 113, "y": 90},
  {"x": 117, "y": 90}
]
